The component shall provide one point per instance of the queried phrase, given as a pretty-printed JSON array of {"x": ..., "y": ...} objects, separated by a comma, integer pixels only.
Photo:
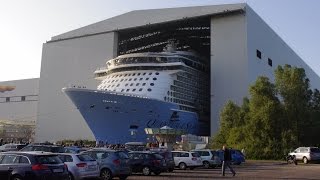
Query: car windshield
[
  {"x": 122, "y": 155},
  {"x": 315, "y": 150},
  {"x": 48, "y": 159},
  {"x": 158, "y": 156},
  {"x": 84, "y": 157},
  {"x": 195, "y": 154}
]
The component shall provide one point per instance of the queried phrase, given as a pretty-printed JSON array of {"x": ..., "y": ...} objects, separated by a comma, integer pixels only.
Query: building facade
[
  {"x": 238, "y": 43},
  {"x": 18, "y": 109}
]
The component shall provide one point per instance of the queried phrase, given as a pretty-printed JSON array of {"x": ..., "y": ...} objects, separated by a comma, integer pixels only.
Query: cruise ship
[{"x": 147, "y": 90}]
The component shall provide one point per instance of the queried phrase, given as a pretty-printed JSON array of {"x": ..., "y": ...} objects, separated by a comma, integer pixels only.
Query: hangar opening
[{"x": 189, "y": 34}]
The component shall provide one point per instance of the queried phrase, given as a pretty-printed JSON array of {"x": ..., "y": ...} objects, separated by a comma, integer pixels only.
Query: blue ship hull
[{"x": 119, "y": 117}]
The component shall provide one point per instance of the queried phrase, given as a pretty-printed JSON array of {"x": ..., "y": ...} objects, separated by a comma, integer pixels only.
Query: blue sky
[{"x": 26, "y": 25}]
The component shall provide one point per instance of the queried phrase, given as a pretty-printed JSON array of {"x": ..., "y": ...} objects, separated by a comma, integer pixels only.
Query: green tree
[{"x": 294, "y": 89}]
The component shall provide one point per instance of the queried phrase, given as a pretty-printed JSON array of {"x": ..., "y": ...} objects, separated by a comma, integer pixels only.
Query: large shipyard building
[
  {"x": 18, "y": 109},
  {"x": 238, "y": 44}
]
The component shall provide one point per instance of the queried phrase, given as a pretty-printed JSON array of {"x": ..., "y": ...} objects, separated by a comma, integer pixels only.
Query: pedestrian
[{"x": 227, "y": 160}]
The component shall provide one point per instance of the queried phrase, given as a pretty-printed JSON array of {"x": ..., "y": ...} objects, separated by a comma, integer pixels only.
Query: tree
[{"x": 294, "y": 89}]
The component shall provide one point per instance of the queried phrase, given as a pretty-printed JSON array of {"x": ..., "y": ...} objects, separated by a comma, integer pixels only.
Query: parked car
[
  {"x": 33, "y": 165},
  {"x": 147, "y": 162},
  {"x": 80, "y": 166},
  {"x": 168, "y": 157},
  {"x": 210, "y": 158},
  {"x": 236, "y": 155},
  {"x": 306, "y": 154},
  {"x": 185, "y": 159},
  {"x": 112, "y": 163},
  {"x": 44, "y": 148},
  {"x": 11, "y": 147},
  {"x": 74, "y": 149}
]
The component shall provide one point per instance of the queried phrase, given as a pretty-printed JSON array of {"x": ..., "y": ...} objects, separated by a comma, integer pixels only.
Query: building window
[
  {"x": 259, "y": 54},
  {"x": 7, "y": 99},
  {"x": 23, "y": 98},
  {"x": 140, "y": 89},
  {"x": 270, "y": 62}
]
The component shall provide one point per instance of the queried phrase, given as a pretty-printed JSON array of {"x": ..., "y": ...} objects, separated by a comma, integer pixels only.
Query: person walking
[{"x": 227, "y": 160}]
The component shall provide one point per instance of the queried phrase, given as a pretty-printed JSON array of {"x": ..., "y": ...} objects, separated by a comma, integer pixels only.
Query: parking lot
[{"x": 249, "y": 170}]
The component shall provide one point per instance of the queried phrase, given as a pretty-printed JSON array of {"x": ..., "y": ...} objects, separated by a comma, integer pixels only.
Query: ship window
[
  {"x": 138, "y": 74},
  {"x": 144, "y": 73},
  {"x": 165, "y": 98},
  {"x": 154, "y": 78},
  {"x": 258, "y": 54},
  {"x": 150, "y": 73},
  {"x": 151, "y": 84},
  {"x": 126, "y": 85},
  {"x": 141, "y": 79},
  {"x": 109, "y": 86},
  {"x": 129, "y": 74},
  {"x": 168, "y": 92},
  {"x": 107, "y": 107},
  {"x": 143, "y": 84},
  {"x": 125, "y": 75},
  {"x": 133, "y": 74},
  {"x": 157, "y": 73},
  {"x": 121, "y": 80},
  {"x": 135, "y": 79},
  {"x": 170, "y": 99},
  {"x": 122, "y": 90},
  {"x": 131, "y": 84},
  {"x": 92, "y": 106},
  {"x": 147, "y": 78},
  {"x": 120, "y": 75},
  {"x": 112, "y": 81},
  {"x": 130, "y": 79},
  {"x": 133, "y": 89},
  {"x": 140, "y": 89},
  {"x": 149, "y": 89},
  {"x": 118, "y": 85},
  {"x": 128, "y": 90},
  {"x": 137, "y": 84}
]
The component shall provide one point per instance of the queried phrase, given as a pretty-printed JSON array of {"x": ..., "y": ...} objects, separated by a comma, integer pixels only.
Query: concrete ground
[{"x": 249, "y": 170}]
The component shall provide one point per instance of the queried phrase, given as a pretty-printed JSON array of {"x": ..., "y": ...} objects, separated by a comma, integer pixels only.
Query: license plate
[{"x": 57, "y": 170}]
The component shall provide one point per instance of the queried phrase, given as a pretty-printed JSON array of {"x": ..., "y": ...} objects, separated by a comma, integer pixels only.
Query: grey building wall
[
  {"x": 66, "y": 63},
  {"x": 229, "y": 63},
  {"x": 16, "y": 109},
  {"x": 262, "y": 37}
]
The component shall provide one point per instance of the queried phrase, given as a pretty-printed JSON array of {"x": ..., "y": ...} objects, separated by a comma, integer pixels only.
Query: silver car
[
  {"x": 112, "y": 163},
  {"x": 80, "y": 166},
  {"x": 306, "y": 154}
]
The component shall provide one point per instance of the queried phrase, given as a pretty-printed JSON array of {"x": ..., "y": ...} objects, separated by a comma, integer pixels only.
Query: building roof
[{"x": 148, "y": 17}]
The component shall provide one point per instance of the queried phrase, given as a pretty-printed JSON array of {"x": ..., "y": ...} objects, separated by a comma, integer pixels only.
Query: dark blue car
[{"x": 237, "y": 156}]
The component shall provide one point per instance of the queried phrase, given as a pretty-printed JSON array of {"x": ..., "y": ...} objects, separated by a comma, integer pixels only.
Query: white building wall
[
  {"x": 65, "y": 63},
  {"x": 263, "y": 38},
  {"x": 16, "y": 109},
  {"x": 229, "y": 65}
]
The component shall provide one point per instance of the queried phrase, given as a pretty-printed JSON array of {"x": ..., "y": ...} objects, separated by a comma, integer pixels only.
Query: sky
[{"x": 26, "y": 25}]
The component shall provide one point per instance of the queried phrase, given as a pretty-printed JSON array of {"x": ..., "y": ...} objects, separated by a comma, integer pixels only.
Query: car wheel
[
  {"x": 206, "y": 164},
  {"x": 17, "y": 177},
  {"x": 183, "y": 166},
  {"x": 305, "y": 160},
  {"x": 106, "y": 174},
  {"x": 70, "y": 176},
  {"x": 157, "y": 173},
  {"x": 146, "y": 171}
]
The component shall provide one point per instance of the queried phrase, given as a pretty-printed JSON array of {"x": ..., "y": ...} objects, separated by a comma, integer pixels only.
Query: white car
[
  {"x": 210, "y": 158},
  {"x": 80, "y": 166},
  {"x": 184, "y": 159},
  {"x": 306, "y": 154}
]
